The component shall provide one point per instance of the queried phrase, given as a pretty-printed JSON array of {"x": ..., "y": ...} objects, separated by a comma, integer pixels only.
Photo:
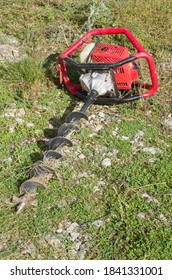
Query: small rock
[
  {"x": 98, "y": 223},
  {"x": 81, "y": 254},
  {"x": 53, "y": 241},
  {"x": 150, "y": 199},
  {"x": 12, "y": 41},
  {"x": 98, "y": 128},
  {"x": 81, "y": 156},
  {"x": 102, "y": 115},
  {"x": 38, "y": 131},
  {"x": 21, "y": 112},
  {"x": 163, "y": 218},
  {"x": 12, "y": 128},
  {"x": 73, "y": 254},
  {"x": 152, "y": 150},
  {"x": 115, "y": 152},
  {"x": 62, "y": 203},
  {"x": 110, "y": 154},
  {"x": 106, "y": 162},
  {"x": 8, "y": 52},
  {"x": 8, "y": 159},
  {"x": 10, "y": 113},
  {"x": 3, "y": 247},
  {"x": 19, "y": 120},
  {"x": 50, "y": 126},
  {"x": 139, "y": 134},
  {"x": 124, "y": 138},
  {"x": 141, "y": 215},
  {"x": 168, "y": 122},
  {"x": 152, "y": 160},
  {"x": 72, "y": 228},
  {"x": 31, "y": 249},
  {"x": 100, "y": 183},
  {"x": 92, "y": 134},
  {"x": 92, "y": 116},
  {"x": 29, "y": 125},
  {"x": 73, "y": 236},
  {"x": 76, "y": 246},
  {"x": 82, "y": 175},
  {"x": 115, "y": 132}
]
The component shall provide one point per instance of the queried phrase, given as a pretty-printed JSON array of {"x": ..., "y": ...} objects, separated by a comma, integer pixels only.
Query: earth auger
[{"x": 108, "y": 74}]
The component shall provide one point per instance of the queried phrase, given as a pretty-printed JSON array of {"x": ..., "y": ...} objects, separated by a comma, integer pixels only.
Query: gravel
[
  {"x": 8, "y": 159},
  {"x": 9, "y": 52},
  {"x": 98, "y": 223},
  {"x": 20, "y": 112},
  {"x": 19, "y": 120},
  {"x": 106, "y": 162},
  {"x": 152, "y": 150},
  {"x": 81, "y": 156},
  {"x": 54, "y": 241},
  {"x": 73, "y": 236},
  {"x": 72, "y": 228},
  {"x": 168, "y": 122},
  {"x": 150, "y": 198},
  {"x": 141, "y": 215},
  {"x": 30, "y": 125}
]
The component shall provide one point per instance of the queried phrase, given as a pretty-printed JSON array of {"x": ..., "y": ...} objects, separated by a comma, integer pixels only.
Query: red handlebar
[{"x": 141, "y": 53}]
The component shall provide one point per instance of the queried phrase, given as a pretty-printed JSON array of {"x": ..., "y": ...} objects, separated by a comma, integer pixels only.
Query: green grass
[{"x": 133, "y": 227}]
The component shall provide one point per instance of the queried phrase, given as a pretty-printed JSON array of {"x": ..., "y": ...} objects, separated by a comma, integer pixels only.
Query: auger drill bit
[{"x": 42, "y": 171}]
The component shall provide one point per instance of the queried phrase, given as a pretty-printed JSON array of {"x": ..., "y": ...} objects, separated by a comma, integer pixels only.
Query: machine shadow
[{"x": 54, "y": 121}]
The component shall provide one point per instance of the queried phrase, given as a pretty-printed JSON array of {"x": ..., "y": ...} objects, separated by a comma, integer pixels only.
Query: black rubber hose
[{"x": 111, "y": 100}]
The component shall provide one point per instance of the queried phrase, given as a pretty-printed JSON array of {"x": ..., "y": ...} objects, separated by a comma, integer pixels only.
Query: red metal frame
[{"x": 141, "y": 53}]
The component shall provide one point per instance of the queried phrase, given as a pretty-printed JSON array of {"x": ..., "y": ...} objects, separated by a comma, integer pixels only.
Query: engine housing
[{"x": 124, "y": 75}]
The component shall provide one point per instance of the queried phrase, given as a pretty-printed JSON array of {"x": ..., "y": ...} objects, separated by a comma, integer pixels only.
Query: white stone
[
  {"x": 102, "y": 115},
  {"x": 152, "y": 160},
  {"x": 19, "y": 120},
  {"x": 8, "y": 52},
  {"x": 141, "y": 215},
  {"x": 21, "y": 112},
  {"x": 115, "y": 152},
  {"x": 106, "y": 162},
  {"x": 8, "y": 159},
  {"x": 12, "y": 129},
  {"x": 115, "y": 132},
  {"x": 168, "y": 122},
  {"x": 38, "y": 131},
  {"x": 139, "y": 134},
  {"x": 74, "y": 236},
  {"x": 53, "y": 241},
  {"x": 72, "y": 228},
  {"x": 81, "y": 156},
  {"x": 124, "y": 138},
  {"x": 163, "y": 218},
  {"x": 150, "y": 198},
  {"x": 29, "y": 125},
  {"x": 98, "y": 223},
  {"x": 152, "y": 150},
  {"x": 100, "y": 183},
  {"x": 76, "y": 245},
  {"x": 98, "y": 127},
  {"x": 81, "y": 175}
]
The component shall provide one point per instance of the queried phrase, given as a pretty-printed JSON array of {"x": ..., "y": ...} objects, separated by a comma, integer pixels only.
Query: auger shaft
[
  {"x": 88, "y": 102},
  {"x": 43, "y": 171}
]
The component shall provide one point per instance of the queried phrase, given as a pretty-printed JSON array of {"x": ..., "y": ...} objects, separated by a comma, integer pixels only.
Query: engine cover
[
  {"x": 101, "y": 82},
  {"x": 124, "y": 75}
]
